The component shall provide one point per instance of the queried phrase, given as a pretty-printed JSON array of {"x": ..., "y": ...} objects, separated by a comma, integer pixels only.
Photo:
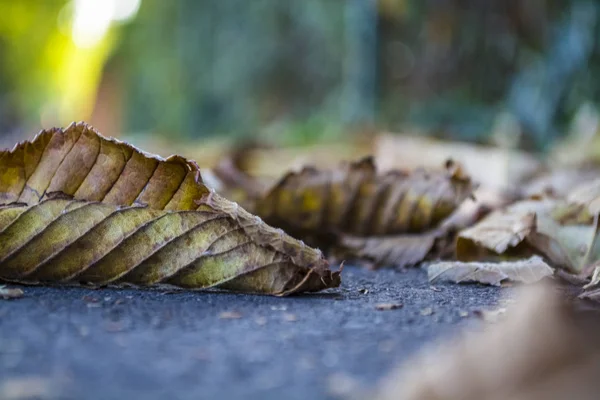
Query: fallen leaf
[
  {"x": 355, "y": 200},
  {"x": 501, "y": 231},
  {"x": 230, "y": 315},
  {"x": 542, "y": 349},
  {"x": 526, "y": 271},
  {"x": 526, "y": 228},
  {"x": 388, "y": 306},
  {"x": 7, "y": 293},
  {"x": 78, "y": 207},
  {"x": 387, "y": 218}
]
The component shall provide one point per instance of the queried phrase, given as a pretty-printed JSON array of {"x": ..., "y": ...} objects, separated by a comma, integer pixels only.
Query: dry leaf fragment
[
  {"x": 501, "y": 231},
  {"x": 527, "y": 228},
  {"x": 388, "y": 306},
  {"x": 7, "y": 293},
  {"x": 77, "y": 207},
  {"x": 526, "y": 271},
  {"x": 543, "y": 349},
  {"x": 389, "y": 218}
]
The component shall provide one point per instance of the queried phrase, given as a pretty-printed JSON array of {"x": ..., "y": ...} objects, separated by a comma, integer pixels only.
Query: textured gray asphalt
[{"x": 72, "y": 343}]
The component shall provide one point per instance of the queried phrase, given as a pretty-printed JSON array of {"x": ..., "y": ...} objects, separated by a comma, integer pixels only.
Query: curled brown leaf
[{"x": 78, "y": 207}]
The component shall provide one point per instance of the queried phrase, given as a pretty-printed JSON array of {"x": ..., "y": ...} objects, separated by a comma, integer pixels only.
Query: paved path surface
[{"x": 68, "y": 343}]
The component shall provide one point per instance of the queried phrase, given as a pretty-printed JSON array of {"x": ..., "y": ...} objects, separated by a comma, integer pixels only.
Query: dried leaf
[
  {"x": 542, "y": 349},
  {"x": 77, "y": 207},
  {"x": 527, "y": 228},
  {"x": 525, "y": 271},
  {"x": 356, "y": 200},
  {"x": 501, "y": 231},
  {"x": 387, "y": 218},
  {"x": 7, "y": 293}
]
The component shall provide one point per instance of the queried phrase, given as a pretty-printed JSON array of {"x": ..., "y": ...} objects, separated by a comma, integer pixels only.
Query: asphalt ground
[{"x": 76, "y": 343}]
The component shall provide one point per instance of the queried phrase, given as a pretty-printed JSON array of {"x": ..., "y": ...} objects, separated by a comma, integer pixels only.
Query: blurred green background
[{"x": 297, "y": 71}]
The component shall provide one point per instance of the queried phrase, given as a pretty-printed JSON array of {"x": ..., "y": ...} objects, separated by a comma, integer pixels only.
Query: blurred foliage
[
  {"x": 26, "y": 65},
  {"x": 231, "y": 66},
  {"x": 305, "y": 70}
]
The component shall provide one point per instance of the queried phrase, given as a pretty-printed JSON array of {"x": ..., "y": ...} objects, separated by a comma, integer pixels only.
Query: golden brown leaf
[
  {"x": 356, "y": 200},
  {"x": 389, "y": 217},
  {"x": 77, "y": 207}
]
